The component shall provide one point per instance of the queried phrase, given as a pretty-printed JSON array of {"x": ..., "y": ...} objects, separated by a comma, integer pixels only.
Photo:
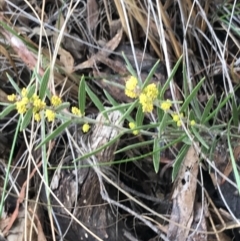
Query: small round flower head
[
  {"x": 192, "y": 123},
  {"x": 50, "y": 115},
  {"x": 132, "y": 126},
  {"x": 166, "y": 105},
  {"x": 56, "y": 100},
  {"x": 176, "y": 117},
  {"x": 21, "y": 107},
  {"x": 147, "y": 103},
  {"x": 24, "y": 92},
  {"x": 12, "y": 97},
  {"x": 151, "y": 91},
  {"x": 85, "y": 127},
  {"x": 131, "y": 87},
  {"x": 76, "y": 111},
  {"x": 179, "y": 123},
  {"x": 37, "y": 117},
  {"x": 38, "y": 104}
]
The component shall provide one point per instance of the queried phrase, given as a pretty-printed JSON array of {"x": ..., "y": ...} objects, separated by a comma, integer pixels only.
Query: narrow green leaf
[
  {"x": 63, "y": 106},
  {"x": 129, "y": 66},
  {"x": 179, "y": 160},
  {"x": 44, "y": 83},
  {"x": 82, "y": 95},
  {"x": 55, "y": 133},
  {"x": 6, "y": 178},
  {"x": 7, "y": 110},
  {"x": 129, "y": 110},
  {"x": 110, "y": 98},
  {"x": 216, "y": 110},
  {"x": 26, "y": 119},
  {"x": 114, "y": 84},
  {"x": 191, "y": 96},
  {"x": 151, "y": 73},
  {"x": 165, "y": 86},
  {"x": 96, "y": 101},
  {"x": 135, "y": 145},
  {"x": 207, "y": 109},
  {"x": 235, "y": 113},
  {"x": 13, "y": 83},
  {"x": 139, "y": 116},
  {"x": 31, "y": 90},
  {"x": 233, "y": 161},
  {"x": 200, "y": 139},
  {"x": 156, "y": 155}
]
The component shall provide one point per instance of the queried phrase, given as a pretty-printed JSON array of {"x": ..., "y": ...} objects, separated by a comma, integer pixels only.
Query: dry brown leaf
[
  {"x": 103, "y": 53},
  {"x": 184, "y": 197},
  {"x": 20, "y": 48},
  {"x": 66, "y": 59},
  {"x": 92, "y": 14}
]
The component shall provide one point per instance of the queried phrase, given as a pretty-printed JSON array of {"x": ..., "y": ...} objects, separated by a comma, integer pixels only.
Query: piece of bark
[{"x": 184, "y": 198}]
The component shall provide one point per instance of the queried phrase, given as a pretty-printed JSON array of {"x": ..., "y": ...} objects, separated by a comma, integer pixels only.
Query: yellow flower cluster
[
  {"x": 76, "y": 111},
  {"x": 12, "y": 97},
  {"x": 132, "y": 126},
  {"x": 24, "y": 103},
  {"x": 147, "y": 97},
  {"x": 21, "y": 105},
  {"x": 177, "y": 118},
  {"x": 56, "y": 101},
  {"x": 50, "y": 115},
  {"x": 192, "y": 123},
  {"x": 131, "y": 87},
  {"x": 85, "y": 127},
  {"x": 166, "y": 105}
]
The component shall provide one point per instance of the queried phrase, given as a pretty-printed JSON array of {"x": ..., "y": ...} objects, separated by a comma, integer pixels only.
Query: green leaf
[
  {"x": 191, "y": 96},
  {"x": 13, "y": 83},
  {"x": 199, "y": 137},
  {"x": 96, "y": 101},
  {"x": 55, "y": 133},
  {"x": 6, "y": 177},
  {"x": 150, "y": 75},
  {"x": 156, "y": 155},
  {"x": 63, "y": 106},
  {"x": 139, "y": 116},
  {"x": 207, "y": 109},
  {"x": 129, "y": 66},
  {"x": 216, "y": 110},
  {"x": 7, "y": 110},
  {"x": 129, "y": 110},
  {"x": 31, "y": 90},
  {"x": 133, "y": 146},
  {"x": 235, "y": 113},
  {"x": 110, "y": 98},
  {"x": 179, "y": 160},
  {"x": 44, "y": 83},
  {"x": 26, "y": 119},
  {"x": 165, "y": 86},
  {"x": 82, "y": 95},
  {"x": 233, "y": 161}
]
